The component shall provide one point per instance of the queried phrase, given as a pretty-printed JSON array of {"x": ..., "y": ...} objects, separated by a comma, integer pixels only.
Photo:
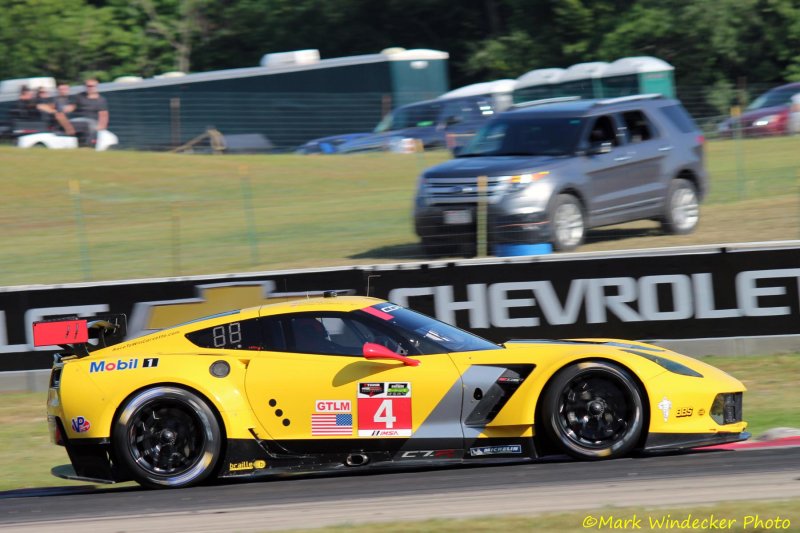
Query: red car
[{"x": 767, "y": 115}]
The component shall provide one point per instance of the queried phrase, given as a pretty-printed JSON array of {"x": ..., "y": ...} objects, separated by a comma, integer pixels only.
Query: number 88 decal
[
  {"x": 384, "y": 409},
  {"x": 223, "y": 336}
]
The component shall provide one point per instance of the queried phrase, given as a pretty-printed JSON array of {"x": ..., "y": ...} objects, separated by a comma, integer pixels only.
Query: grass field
[
  {"x": 79, "y": 215},
  {"x": 26, "y": 454}
]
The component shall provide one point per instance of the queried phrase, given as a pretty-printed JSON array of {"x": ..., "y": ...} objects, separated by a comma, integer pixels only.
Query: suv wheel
[
  {"x": 682, "y": 212},
  {"x": 567, "y": 223}
]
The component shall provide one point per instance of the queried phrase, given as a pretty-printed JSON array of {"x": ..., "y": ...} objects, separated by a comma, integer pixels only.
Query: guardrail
[{"x": 705, "y": 292}]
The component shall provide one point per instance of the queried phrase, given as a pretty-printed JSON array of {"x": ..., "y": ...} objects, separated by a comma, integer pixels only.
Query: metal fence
[
  {"x": 84, "y": 216},
  {"x": 152, "y": 120}
]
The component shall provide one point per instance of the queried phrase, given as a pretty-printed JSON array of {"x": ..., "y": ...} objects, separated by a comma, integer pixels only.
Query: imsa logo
[{"x": 120, "y": 364}]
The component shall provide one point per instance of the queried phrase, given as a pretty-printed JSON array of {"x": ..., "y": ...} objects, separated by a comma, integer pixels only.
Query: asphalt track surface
[{"x": 399, "y": 496}]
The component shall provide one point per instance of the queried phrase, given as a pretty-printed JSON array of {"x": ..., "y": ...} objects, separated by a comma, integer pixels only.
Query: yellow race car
[{"x": 343, "y": 382}]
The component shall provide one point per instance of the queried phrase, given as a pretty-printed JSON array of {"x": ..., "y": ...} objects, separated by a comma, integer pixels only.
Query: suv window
[
  {"x": 467, "y": 110},
  {"x": 411, "y": 117},
  {"x": 526, "y": 136},
  {"x": 637, "y": 127},
  {"x": 603, "y": 131},
  {"x": 679, "y": 117}
]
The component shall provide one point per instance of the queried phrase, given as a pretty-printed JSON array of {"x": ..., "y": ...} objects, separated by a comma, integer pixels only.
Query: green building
[{"x": 290, "y": 98}]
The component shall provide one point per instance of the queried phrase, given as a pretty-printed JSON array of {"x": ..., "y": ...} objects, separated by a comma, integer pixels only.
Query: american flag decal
[{"x": 332, "y": 424}]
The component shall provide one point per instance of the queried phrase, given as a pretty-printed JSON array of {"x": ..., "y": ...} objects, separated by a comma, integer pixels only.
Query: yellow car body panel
[
  {"x": 97, "y": 395},
  {"x": 281, "y": 408}
]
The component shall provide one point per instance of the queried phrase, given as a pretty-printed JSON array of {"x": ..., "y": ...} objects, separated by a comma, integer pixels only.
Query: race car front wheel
[
  {"x": 593, "y": 410},
  {"x": 167, "y": 437}
]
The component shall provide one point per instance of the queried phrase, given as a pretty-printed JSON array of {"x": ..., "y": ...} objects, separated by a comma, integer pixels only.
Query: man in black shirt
[
  {"x": 25, "y": 108},
  {"x": 92, "y": 111},
  {"x": 55, "y": 109},
  {"x": 63, "y": 102}
]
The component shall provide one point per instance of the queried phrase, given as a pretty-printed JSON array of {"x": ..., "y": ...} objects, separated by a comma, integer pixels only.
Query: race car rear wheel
[
  {"x": 593, "y": 410},
  {"x": 167, "y": 437}
]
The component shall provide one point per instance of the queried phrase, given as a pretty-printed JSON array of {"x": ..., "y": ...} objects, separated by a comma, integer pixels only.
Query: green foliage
[
  {"x": 722, "y": 96},
  {"x": 706, "y": 40},
  {"x": 63, "y": 38},
  {"x": 503, "y": 57}
]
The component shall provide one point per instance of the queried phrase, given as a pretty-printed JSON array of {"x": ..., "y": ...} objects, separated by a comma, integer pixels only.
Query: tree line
[{"x": 711, "y": 43}]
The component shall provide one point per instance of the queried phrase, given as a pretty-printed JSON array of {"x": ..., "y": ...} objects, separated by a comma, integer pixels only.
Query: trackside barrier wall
[{"x": 709, "y": 292}]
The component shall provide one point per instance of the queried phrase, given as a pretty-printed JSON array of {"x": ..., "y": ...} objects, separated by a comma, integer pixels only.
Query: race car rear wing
[{"x": 80, "y": 336}]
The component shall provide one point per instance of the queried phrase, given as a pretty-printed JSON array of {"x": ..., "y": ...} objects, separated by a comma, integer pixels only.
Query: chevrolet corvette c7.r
[{"x": 337, "y": 383}]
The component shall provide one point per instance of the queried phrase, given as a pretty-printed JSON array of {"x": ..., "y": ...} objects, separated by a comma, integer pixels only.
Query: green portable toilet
[
  {"x": 639, "y": 75},
  {"x": 582, "y": 79},
  {"x": 537, "y": 84},
  {"x": 416, "y": 74}
]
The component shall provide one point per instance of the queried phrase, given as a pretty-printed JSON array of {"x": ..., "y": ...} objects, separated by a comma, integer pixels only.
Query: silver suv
[{"x": 546, "y": 171}]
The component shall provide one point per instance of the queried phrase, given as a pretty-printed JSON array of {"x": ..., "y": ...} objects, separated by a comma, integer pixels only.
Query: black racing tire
[
  {"x": 167, "y": 437},
  {"x": 682, "y": 209},
  {"x": 567, "y": 223},
  {"x": 593, "y": 410}
]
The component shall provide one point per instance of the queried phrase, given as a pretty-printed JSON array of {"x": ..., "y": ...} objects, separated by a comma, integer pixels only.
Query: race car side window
[
  {"x": 237, "y": 335},
  {"x": 329, "y": 333}
]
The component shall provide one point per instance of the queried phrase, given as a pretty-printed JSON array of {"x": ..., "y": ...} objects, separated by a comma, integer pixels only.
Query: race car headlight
[
  {"x": 727, "y": 408},
  {"x": 672, "y": 366}
]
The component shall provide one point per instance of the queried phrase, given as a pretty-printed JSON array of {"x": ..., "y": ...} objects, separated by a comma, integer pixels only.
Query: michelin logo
[{"x": 496, "y": 450}]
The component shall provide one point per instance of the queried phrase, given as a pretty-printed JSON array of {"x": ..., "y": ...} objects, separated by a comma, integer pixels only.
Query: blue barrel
[{"x": 512, "y": 249}]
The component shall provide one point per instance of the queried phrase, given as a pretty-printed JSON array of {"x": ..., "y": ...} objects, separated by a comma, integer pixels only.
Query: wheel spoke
[
  {"x": 594, "y": 410},
  {"x": 166, "y": 439}
]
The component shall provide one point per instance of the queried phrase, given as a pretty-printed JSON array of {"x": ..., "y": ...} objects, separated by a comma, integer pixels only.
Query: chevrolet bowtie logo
[{"x": 211, "y": 299}]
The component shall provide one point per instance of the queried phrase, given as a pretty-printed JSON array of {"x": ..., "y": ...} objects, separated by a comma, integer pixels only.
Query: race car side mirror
[{"x": 372, "y": 350}]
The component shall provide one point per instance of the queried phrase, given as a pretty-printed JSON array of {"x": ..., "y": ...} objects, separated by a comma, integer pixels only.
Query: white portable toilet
[
  {"x": 639, "y": 75},
  {"x": 583, "y": 79},
  {"x": 500, "y": 91},
  {"x": 537, "y": 84}
]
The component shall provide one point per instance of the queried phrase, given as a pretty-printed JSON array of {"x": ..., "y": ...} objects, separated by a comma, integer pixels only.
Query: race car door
[{"x": 314, "y": 391}]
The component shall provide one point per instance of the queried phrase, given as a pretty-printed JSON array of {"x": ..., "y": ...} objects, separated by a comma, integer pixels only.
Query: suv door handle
[{"x": 665, "y": 149}]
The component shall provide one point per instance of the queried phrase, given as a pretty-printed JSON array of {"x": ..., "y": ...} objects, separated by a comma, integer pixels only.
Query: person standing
[{"x": 91, "y": 109}]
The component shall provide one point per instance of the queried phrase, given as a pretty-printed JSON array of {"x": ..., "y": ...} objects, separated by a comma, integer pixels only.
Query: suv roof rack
[
  {"x": 631, "y": 98},
  {"x": 543, "y": 101}
]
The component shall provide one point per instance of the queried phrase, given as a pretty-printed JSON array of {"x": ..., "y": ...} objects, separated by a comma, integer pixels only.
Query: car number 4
[{"x": 383, "y": 415}]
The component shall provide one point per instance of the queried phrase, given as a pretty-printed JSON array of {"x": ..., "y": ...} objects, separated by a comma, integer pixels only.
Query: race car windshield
[{"x": 442, "y": 337}]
